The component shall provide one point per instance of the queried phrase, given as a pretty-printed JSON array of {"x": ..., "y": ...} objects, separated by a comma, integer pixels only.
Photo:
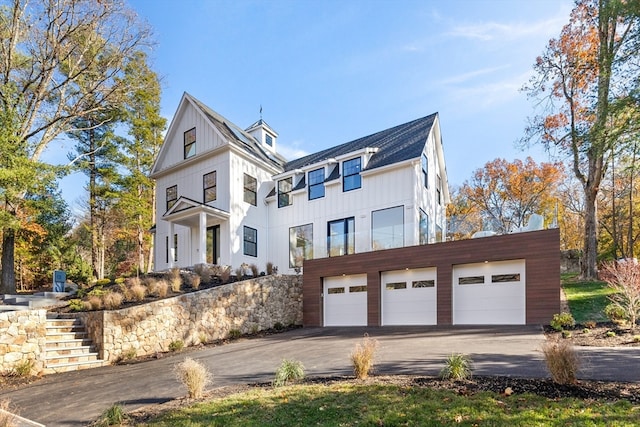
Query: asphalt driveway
[{"x": 77, "y": 398}]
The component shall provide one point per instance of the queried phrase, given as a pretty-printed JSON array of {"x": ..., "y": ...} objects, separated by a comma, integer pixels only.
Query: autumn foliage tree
[
  {"x": 505, "y": 194},
  {"x": 586, "y": 83}
]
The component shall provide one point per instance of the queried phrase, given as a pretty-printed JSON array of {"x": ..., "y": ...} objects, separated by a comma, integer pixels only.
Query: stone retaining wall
[
  {"x": 208, "y": 315},
  {"x": 22, "y": 339}
]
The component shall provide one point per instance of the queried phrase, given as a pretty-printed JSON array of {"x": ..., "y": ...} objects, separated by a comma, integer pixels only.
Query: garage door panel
[
  {"x": 489, "y": 293},
  {"x": 409, "y": 297},
  {"x": 345, "y": 300}
]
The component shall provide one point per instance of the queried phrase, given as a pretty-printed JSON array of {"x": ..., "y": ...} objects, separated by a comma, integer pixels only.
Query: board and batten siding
[{"x": 539, "y": 249}]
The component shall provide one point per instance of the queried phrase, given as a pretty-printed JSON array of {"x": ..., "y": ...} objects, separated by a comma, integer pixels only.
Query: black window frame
[
  {"x": 347, "y": 233},
  {"x": 284, "y": 197},
  {"x": 189, "y": 145},
  {"x": 251, "y": 191},
  {"x": 214, "y": 187},
  {"x": 425, "y": 170},
  {"x": 316, "y": 183},
  {"x": 439, "y": 190},
  {"x": 248, "y": 243},
  {"x": 175, "y": 247},
  {"x": 350, "y": 173},
  {"x": 171, "y": 201}
]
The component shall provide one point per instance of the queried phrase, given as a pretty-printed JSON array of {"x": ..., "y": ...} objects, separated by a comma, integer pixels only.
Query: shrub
[
  {"x": 94, "y": 302},
  {"x": 586, "y": 331},
  {"x": 119, "y": 280},
  {"x": 195, "y": 281},
  {"x": 235, "y": 334},
  {"x": 112, "y": 300},
  {"x": 103, "y": 282},
  {"x": 288, "y": 371},
  {"x": 590, "y": 324},
  {"x": 76, "y": 304},
  {"x": 611, "y": 334},
  {"x": 130, "y": 354},
  {"x": 137, "y": 291},
  {"x": 562, "y": 361},
  {"x": 567, "y": 334},
  {"x": 269, "y": 268},
  {"x": 162, "y": 288},
  {"x": 97, "y": 291},
  {"x": 225, "y": 274},
  {"x": 614, "y": 313},
  {"x": 194, "y": 376},
  {"x": 457, "y": 367},
  {"x": 254, "y": 270},
  {"x": 176, "y": 345},
  {"x": 623, "y": 277},
  {"x": 561, "y": 321},
  {"x": 636, "y": 338},
  {"x": 278, "y": 326},
  {"x": 175, "y": 280},
  {"x": 23, "y": 369},
  {"x": 204, "y": 272},
  {"x": 363, "y": 355},
  {"x": 6, "y": 414},
  {"x": 112, "y": 416},
  {"x": 239, "y": 273},
  {"x": 203, "y": 337}
]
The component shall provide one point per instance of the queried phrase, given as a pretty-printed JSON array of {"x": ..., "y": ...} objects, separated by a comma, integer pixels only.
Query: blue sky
[{"x": 327, "y": 72}]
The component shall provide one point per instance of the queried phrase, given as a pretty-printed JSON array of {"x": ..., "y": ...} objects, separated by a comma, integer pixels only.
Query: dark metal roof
[
  {"x": 241, "y": 138},
  {"x": 397, "y": 144}
]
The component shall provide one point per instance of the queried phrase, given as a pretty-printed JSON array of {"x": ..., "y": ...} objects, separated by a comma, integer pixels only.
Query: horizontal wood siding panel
[{"x": 540, "y": 249}]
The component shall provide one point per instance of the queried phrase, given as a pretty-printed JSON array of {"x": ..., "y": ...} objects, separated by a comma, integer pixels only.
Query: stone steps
[{"x": 68, "y": 347}]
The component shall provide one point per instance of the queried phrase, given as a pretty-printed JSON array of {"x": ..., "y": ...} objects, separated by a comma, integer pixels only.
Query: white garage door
[
  {"x": 491, "y": 293},
  {"x": 345, "y": 300},
  {"x": 409, "y": 297}
]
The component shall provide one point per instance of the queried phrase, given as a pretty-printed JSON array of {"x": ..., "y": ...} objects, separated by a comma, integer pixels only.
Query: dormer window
[
  {"x": 316, "y": 184},
  {"x": 190, "y": 143},
  {"x": 351, "y": 174},
  {"x": 268, "y": 139},
  {"x": 284, "y": 192}
]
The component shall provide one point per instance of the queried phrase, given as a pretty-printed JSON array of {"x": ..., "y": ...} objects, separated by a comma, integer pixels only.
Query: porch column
[
  {"x": 171, "y": 248},
  {"x": 202, "y": 239}
]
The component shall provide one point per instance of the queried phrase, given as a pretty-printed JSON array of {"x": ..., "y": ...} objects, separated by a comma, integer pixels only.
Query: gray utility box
[{"x": 59, "y": 280}]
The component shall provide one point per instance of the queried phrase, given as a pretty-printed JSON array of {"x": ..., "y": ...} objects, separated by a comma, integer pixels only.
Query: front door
[{"x": 213, "y": 244}]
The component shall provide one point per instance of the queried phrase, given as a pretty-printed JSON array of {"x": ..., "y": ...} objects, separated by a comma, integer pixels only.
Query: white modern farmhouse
[{"x": 225, "y": 196}]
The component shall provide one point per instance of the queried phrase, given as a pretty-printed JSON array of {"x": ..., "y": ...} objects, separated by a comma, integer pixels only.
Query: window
[
  {"x": 175, "y": 248},
  {"x": 209, "y": 186},
  {"x": 250, "y": 190},
  {"x": 351, "y": 174},
  {"x": 250, "y": 241},
  {"x": 387, "y": 228},
  {"x": 439, "y": 236},
  {"x": 471, "y": 280},
  {"x": 423, "y": 284},
  {"x": 190, "y": 143},
  {"x": 269, "y": 140},
  {"x": 341, "y": 237},
  {"x": 503, "y": 278},
  {"x": 284, "y": 192},
  {"x": 172, "y": 196},
  {"x": 300, "y": 244},
  {"x": 439, "y": 190},
  {"x": 396, "y": 285},
  {"x": 316, "y": 184},
  {"x": 425, "y": 171},
  {"x": 166, "y": 249},
  {"x": 424, "y": 228}
]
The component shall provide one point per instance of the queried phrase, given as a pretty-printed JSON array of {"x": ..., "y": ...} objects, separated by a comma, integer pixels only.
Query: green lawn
[
  {"x": 343, "y": 404},
  {"x": 587, "y": 300}
]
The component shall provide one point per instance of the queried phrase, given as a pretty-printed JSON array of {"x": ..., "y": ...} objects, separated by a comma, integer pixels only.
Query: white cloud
[
  {"x": 460, "y": 78},
  {"x": 292, "y": 151},
  {"x": 487, "y": 31}
]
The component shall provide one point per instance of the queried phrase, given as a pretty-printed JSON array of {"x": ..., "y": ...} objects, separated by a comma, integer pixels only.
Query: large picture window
[
  {"x": 190, "y": 143},
  {"x": 250, "y": 241},
  {"x": 300, "y": 244},
  {"x": 387, "y": 228},
  {"x": 209, "y": 185},
  {"x": 351, "y": 174},
  {"x": 316, "y": 184},
  {"x": 172, "y": 196},
  {"x": 424, "y": 227},
  {"x": 284, "y": 192},
  {"x": 250, "y": 190},
  {"x": 341, "y": 237}
]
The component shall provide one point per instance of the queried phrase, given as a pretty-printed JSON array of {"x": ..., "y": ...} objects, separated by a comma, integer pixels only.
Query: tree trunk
[
  {"x": 8, "y": 285},
  {"x": 589, "y": 270}
]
